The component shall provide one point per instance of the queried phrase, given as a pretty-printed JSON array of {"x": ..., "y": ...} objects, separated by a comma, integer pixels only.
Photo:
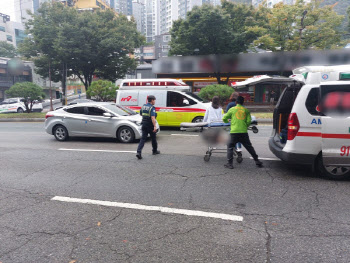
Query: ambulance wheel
[
  {"x": 125, "y": 134},
  {"x": 20, "y": 110},
  {"x": 332, "y": 172},
  {"x": 239, "y": 159},
  {"x": 60, "y": 132},
  {"x": 197, "y": 119}
]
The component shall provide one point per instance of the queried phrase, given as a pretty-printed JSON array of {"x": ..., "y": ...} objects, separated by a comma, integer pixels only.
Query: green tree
[
  {"x": 222, "y": 91},
  {"x": 81, "y": 43},
  {"x": 28, "y": 91},
  {"x": 206, "y": 30},
  {"x": 102, "y": 90},
  {"x": 7, "y": 50},
  {"x": 298, "y": 27}
]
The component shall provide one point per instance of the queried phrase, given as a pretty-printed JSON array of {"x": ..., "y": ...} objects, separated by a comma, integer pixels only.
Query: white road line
[
  {"x": 149, "y": 208},
  {"x": 88, "y": 150},
  {"x": 187, "y": 135},
  {"x": 268, "y": 159}
]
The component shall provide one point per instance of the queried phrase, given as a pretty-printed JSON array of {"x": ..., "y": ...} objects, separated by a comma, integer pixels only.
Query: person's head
[
  {"x": 151, "y": 99},
  {"x": 234, "y": 96},
  {"x": 215, "y": 102},
  {"x": 240, "y": 100}
]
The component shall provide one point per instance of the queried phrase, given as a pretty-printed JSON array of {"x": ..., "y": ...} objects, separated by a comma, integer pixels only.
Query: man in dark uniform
[{"x": 148, "y": 113}]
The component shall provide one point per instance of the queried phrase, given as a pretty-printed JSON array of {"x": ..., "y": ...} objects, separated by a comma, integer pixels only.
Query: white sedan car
[
  {"x": 94, "y": 119},
  {"x": 14, "y": 105}
]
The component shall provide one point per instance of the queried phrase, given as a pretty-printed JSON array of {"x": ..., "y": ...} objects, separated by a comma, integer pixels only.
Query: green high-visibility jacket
[{"x": 240, "y": 119}]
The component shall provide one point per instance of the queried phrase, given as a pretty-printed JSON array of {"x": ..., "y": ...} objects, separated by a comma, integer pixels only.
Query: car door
[
  {"x": 76, "y": 121},
  {"x": 97, "y": 124},
  {"x": 335, "y": 104},
  {"x": 11, "y": 106},
  {"x": 179, "y": 106}
]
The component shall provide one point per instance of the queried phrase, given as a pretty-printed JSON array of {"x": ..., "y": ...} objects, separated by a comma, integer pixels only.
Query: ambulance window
[
  {"x": 312, "y": 102},
  {"x": 176, "y": 99}
]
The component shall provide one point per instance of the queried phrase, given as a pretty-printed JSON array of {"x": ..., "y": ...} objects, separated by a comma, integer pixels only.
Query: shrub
[{"x": 222, "y": 91}]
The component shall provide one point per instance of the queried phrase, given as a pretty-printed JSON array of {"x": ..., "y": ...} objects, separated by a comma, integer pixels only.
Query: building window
[
  {"x": 166, "y": 38},
  {"x": 2, "y": 28},
  {"x": 9, "y": 38}
]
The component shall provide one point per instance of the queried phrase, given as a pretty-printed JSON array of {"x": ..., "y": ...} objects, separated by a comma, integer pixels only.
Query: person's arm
[
  {"x": 205, "y": 119},
  {"x": 153, "y": 118},
  {"x": 227, "y": 117},
  {"x": 249, "y": 118}
]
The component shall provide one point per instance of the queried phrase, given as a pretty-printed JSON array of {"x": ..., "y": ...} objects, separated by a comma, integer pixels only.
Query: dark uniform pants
[
  {"x": 242, "y": 138},
  {"x": 145, "y": 131}
]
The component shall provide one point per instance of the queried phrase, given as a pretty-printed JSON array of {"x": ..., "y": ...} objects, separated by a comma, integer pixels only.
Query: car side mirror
[{"x": 107, "y": 114}]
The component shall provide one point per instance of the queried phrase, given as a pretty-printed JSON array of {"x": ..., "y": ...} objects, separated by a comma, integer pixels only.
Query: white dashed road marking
[
  {"x": 268, "y": 159},
  {"x": 149, "y": 208},
  {"x": 88, "y": 150},
  {"x": 186, "y": 135}
]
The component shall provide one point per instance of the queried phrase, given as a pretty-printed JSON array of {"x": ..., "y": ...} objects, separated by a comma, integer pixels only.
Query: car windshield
[
  {"x": 120, "y": 110},
  {"x": 194, "y": 96}
]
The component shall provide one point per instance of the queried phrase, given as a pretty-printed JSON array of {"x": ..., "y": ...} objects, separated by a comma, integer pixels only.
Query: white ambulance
[
  {"x": 174, "y": 101},
  {"x": 312, "y": 138}
]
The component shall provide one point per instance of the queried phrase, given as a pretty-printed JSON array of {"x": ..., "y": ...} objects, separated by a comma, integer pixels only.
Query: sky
[{"x": 8, "y": 7}]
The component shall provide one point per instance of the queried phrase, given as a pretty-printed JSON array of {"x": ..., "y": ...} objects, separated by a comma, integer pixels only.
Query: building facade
[
  {"x": 162, "y": 45},
  {"x": 10, "y": 31},
  {"x": 139, "y": 14},
  {"x": 124, "y": 7}
]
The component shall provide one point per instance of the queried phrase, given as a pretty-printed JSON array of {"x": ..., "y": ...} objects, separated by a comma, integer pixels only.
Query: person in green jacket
[{"x": 240, "y": 120}]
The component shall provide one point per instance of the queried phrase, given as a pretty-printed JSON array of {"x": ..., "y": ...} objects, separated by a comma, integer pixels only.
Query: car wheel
[
  {"x": 20, "y": 110},
  {"x": 125, "y": 134},
  {"x": 197, "y": 119},
  {"x": 60, "y": 132},
  {"x": 332, "y": 172}
]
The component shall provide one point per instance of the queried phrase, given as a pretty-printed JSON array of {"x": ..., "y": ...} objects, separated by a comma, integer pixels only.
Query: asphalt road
[{"x": 288, "y": 214}]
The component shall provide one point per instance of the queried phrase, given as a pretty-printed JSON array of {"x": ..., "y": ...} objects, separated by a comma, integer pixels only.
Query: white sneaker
[{"x": 238, "y": 150}]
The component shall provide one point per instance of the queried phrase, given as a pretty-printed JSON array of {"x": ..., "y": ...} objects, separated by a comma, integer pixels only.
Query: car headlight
[{"x": 136, "y": 122}]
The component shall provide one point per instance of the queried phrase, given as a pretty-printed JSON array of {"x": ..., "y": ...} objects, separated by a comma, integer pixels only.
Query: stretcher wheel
[
  {"x": 239, "y": 159},
  {"x": 207, "y": 157}
]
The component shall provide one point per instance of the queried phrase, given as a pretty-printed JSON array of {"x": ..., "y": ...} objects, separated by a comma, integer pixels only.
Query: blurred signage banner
[
  {"x": 148, "y": 53},
  {"x": 251, "y": 62},
  {"x": 203, "y": 84}
]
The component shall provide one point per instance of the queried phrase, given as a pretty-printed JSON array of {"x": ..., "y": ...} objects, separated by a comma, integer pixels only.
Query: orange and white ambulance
[{"x": 174, "y": 101}]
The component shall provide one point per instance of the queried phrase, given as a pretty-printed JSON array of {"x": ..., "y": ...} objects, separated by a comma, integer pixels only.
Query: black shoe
[
  {"x": 138, "y": 155},
  {"x": 239, "y": 154},
  {"x": 258, "y": 163},
  {"x": 156, "y": 152},
  {"x": 229, "y": 166}
]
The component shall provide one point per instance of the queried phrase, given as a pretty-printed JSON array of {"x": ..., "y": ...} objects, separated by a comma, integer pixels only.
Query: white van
[
  {"x": 174, "y": 101},
  {"x": 312, "y": 138}
]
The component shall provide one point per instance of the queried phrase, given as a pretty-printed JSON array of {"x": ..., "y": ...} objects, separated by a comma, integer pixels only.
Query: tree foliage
[
  {"x": 27, "y": 90},
  {"x": 222, "y": 91},
  {"x": 207, "y": 29},
  {"x": 81, "y": 43},
  {"x": 7, "y": 50},
  {"x": 299, "y": 26},
  {"x": 102, "y": 90}
]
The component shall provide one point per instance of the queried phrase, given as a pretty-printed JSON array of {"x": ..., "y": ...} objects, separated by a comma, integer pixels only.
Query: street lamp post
[{"x": 51, "y": 107}]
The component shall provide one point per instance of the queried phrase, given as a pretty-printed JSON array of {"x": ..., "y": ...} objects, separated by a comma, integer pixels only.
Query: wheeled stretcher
[{"x": 216, "y": 135}]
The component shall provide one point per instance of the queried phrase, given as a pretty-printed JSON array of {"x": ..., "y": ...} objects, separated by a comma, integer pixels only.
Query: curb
[{"x": 23, "y": 120}]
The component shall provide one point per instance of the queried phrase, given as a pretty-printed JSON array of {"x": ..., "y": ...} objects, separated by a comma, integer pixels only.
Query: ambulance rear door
[{"x": 335, "y": 105}]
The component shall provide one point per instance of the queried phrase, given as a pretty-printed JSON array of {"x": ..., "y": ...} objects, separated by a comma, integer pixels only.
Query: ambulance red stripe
[
  {"x": 324, "y": 135},
  {"x": 168, "y": 108}
]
